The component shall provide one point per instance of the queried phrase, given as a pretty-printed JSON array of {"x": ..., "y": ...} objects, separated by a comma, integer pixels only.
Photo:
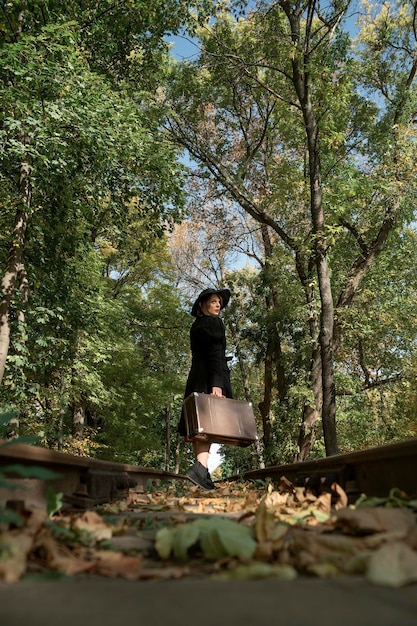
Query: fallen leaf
[
  {"x": 285, "y": 484},
  {"x": 236, "y": 539},
  {"x": 367, "y": 520},
  {"x": 117, "y": 565},
  {"x": 324, "y": 569},
  {"x": 61, "y": 559},
  {"x": 396, "y": 498},
  {"x": 320, "y": 516},
  {"x": 309, "y": 550},
  {"x": 94, "y": 525},
  {"x": 163, "y": 542},
  {"x": 241, "y": 530},
  {"x": 393, "y": 565},
  {"x": 184, "y": 537},
  {"x": 340, "y": 496},
  {"x": 218, "y": 538},
  {"x": 14, "y": 550},
  {"x": 265, "y": 520}
]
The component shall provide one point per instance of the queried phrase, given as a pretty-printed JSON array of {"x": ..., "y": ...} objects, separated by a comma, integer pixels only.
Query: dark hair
[
  {"x": 224, "y": 295},
  {"x": 204, "y": 300}
]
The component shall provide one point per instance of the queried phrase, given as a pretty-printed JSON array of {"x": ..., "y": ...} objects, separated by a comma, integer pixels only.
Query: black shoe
[{"x": 198, "y": 475}]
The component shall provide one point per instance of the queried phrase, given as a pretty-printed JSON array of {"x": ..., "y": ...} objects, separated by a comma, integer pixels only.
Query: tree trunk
[
  {"x": 177, "y": 454},
  {"x": 327, "y": 360},
  {"x": 78, "y": 419},
  {"x": 311, "y": 415},
  {"x": 301, "y": 81},
  {"x": 311, "y": 412},
  {"x": 14, "y": 264},
  {"x": 62, "y": 411},
  {"x": 326, "y": 298},
  {"x": 167, "y": 438},
  {"x": 22, "y": 281},
  {"x": 273, "y": 356},
  {"x": 272, "y": 304},
  {"x": 265, "y": 404}
]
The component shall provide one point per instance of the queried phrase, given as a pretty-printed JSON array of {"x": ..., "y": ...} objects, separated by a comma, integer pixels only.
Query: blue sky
[{"x": 184, "y": 48}]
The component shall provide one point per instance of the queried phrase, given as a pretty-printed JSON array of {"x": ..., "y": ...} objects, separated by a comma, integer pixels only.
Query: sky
[
  {"x": 215, "y": 458},
  {"x": 183, "y": 47}
]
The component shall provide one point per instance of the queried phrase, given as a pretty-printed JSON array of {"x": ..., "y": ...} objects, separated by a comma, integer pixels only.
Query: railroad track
[
  {"x": 84, "y": 482},
  {"x": 373, "y": 472},
  {"x": 88, "y": 482}
]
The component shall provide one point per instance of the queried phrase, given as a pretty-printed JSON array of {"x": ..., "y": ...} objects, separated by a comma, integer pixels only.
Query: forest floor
[{"x": 240, "y": 531}]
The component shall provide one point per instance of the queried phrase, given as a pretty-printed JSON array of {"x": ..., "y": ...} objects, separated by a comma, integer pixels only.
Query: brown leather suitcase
[{"x": 219, "y": 420}]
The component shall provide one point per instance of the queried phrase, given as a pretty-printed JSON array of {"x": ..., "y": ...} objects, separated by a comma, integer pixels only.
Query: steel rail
[
  {"x": 84, "y": 482},
  {"x": 374, "y": 471}
]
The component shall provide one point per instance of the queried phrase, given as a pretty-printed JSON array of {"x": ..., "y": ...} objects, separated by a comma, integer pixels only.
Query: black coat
[{"x": 209, "y": 364}]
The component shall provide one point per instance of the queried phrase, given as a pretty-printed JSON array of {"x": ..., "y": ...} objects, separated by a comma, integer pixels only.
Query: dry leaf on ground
[
  {"x": 375, "y": 520},
  {"x": 276, "y": 533},
  {"x": 393, "y": 565}
]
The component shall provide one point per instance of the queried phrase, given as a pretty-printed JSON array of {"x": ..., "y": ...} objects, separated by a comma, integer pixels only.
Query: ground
[{"x": 242, "y": 530}]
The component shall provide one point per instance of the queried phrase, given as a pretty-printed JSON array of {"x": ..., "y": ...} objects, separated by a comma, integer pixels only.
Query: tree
[
  {"x": 275, "y": 113},
  {"x": 84, "y": 162}
]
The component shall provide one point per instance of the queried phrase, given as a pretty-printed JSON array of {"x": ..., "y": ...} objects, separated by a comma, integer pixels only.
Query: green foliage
[
  {"x": 78, "y": 94},
  {"x": 217, "y": 537},
  {"x": 241, "y": 121},
  {"x": 54, "y": 501},
  {"x": 84, "y": 89},
  {"x": 395, "y": 499}
]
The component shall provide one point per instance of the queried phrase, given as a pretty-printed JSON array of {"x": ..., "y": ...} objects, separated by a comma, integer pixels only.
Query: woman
[{"x": 209, "y": 371}]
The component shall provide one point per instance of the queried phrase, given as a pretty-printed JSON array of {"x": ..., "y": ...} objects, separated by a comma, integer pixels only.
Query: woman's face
[{"x": 212, "y": 306}]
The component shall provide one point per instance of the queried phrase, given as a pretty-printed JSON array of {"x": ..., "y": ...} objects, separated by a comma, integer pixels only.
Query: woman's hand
[{"x": 217, "y": 391}]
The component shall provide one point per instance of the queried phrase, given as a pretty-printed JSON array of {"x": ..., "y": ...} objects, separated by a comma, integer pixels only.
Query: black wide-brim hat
[{"x": 223, "y": 293}]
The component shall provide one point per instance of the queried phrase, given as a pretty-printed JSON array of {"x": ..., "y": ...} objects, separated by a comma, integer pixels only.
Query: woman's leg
[{"x": 202, "y": 451}]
